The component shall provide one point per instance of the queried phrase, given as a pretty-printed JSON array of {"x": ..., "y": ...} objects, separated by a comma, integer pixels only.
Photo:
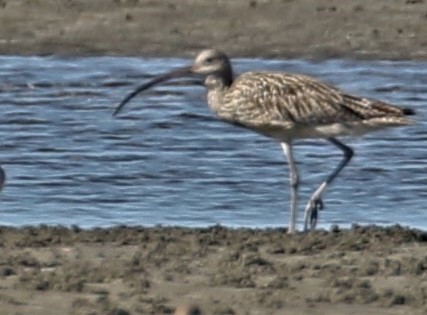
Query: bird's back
[{"x": 299, "y": 106}]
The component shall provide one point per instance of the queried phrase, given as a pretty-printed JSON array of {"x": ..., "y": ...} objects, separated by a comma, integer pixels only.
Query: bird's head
[{"x": 209, "y": 62}]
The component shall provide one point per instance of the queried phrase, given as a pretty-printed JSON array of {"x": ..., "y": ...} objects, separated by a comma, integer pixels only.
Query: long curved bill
[{"x": 181, "y": 72}]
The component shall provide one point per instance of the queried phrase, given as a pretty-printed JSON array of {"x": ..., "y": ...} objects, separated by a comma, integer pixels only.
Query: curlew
[{"x": 287, "y": 107}]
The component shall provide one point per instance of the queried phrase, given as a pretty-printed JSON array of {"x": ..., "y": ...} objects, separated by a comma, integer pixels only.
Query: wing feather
[{"x": 261, "y": 98}]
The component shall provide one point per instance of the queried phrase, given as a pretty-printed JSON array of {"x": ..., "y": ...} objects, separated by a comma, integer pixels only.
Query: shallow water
[{"x": 167, "y": 160}]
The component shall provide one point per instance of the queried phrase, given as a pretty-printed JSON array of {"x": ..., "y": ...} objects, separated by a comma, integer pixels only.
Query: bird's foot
[
  {"x": 316, "y": 207},
  {"x": 315, "y": 204}
]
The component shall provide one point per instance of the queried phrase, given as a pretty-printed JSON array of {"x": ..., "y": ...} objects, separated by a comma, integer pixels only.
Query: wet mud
[
  {"x": 382, "y": 29},
  {"x": 136, "y": 270}
]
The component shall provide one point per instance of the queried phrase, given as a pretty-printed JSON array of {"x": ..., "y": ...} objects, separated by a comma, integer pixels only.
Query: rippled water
[{"x": 167, "y": 159}]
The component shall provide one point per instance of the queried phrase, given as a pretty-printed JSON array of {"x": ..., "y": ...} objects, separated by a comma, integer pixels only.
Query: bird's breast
[{"x": 215, "y": 100}]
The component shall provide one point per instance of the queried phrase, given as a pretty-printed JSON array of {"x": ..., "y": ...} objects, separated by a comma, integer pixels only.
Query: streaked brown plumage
[
  {"x": 290, "y": 106},
  {"x": 286, "y": 107}
]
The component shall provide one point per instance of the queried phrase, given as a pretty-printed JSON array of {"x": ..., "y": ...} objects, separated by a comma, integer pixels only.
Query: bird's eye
[{"x": 209, "y": 60}]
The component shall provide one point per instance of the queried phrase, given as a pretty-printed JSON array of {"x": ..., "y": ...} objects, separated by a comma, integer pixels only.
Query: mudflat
[
  {"x": 381, "y": 29},
  {"x": 137, "y": 270}
]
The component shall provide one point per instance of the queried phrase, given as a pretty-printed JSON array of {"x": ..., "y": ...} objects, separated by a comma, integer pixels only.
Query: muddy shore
[
  {"x": 136, "y": 270},
  {"x": 381, "y": 29},
  {"x": 123, "y": 270}
]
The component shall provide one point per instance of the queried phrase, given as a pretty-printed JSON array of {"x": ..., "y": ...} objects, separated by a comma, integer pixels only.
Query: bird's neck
[
  {"x": 220, "y": 81},
  {"x": 216, "y": 86}
]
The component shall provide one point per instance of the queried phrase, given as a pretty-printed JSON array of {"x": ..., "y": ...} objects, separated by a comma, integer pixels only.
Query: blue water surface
[{"x": 167, "y": 160}]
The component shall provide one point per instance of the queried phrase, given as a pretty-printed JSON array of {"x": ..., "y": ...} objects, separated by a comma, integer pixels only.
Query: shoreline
[
  {"x": 136, "y": 270},
  {"x": 324, "y": 228}
]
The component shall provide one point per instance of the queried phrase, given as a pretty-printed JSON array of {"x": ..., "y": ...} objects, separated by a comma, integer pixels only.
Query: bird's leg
[
  {"x": 315, "y": 203},
  {"x": 2, "y": 178},
  {"x": 287, "y": 150}
]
